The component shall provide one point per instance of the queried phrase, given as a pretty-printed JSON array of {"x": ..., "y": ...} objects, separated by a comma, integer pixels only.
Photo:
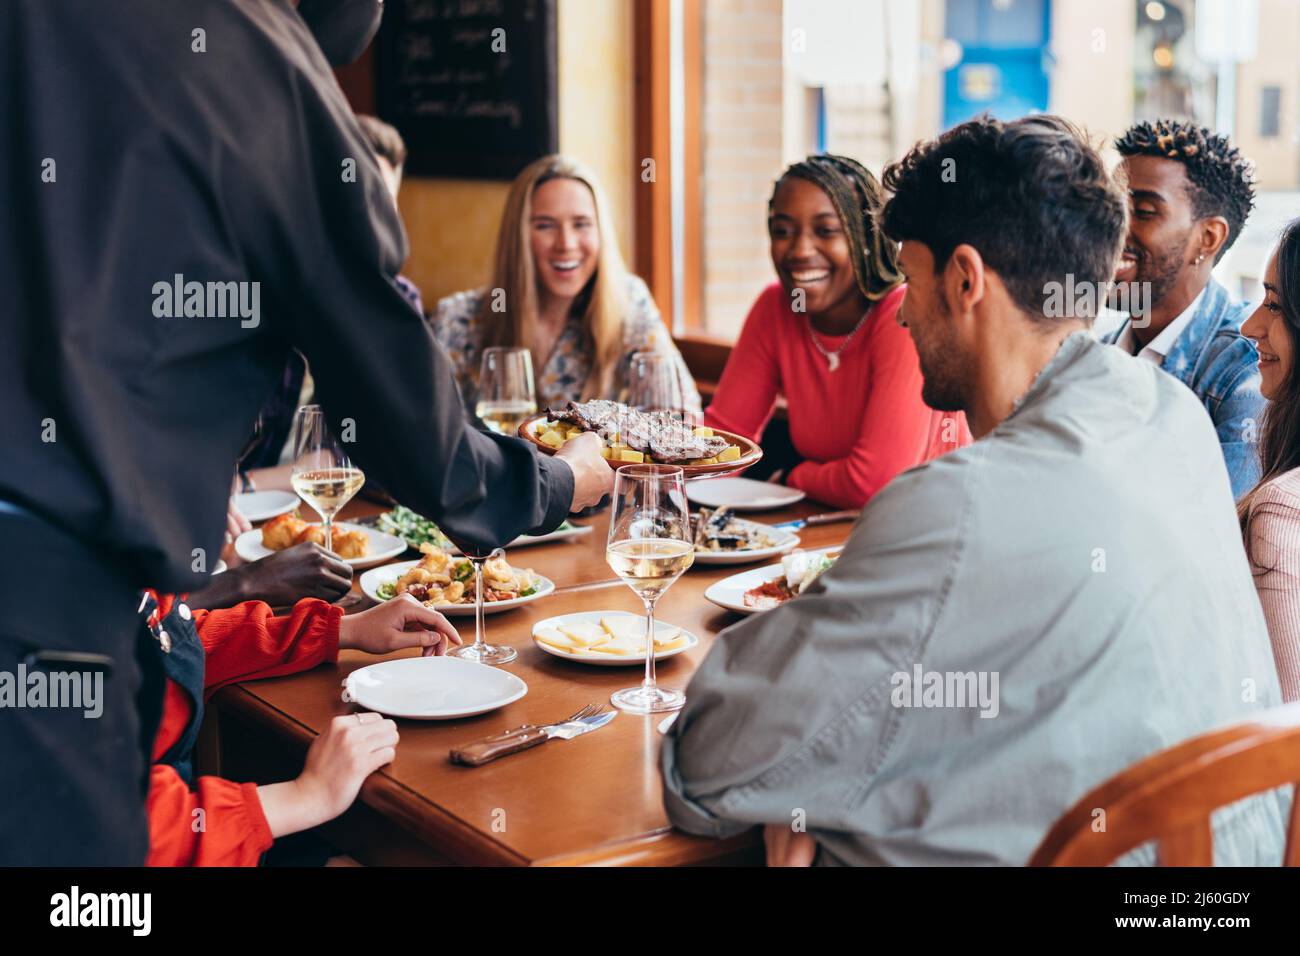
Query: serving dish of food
[
  {"x": 445, "y": 582},
  {"x": 765, "y": 588},
  {"x": 630, "y": 436},
  {"x": 416, "y": 530},
  {"x": 723, "y": 538},
  {"x": 360, "y": 546},
  {"x": 608, "y": 638}
]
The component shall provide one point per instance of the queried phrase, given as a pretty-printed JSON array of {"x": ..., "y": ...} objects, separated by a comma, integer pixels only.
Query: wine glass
[
  {"x": 654, "y": 384},
  {"x": 506, "y": 397},
  {"x": 649, "y": 547},
  {"x": 480, "y": 650},
  {"x": 322, "y": 473}
]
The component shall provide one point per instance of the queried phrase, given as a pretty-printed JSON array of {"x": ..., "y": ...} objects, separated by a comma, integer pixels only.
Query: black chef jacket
[{"x": 131, "y": 159}]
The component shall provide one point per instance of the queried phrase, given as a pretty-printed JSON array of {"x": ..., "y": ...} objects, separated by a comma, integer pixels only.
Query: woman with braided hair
[{"x": 826, "y": 337}]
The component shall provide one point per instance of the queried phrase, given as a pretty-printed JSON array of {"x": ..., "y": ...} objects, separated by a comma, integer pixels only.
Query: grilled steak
[{"x": 658, "y": 434}]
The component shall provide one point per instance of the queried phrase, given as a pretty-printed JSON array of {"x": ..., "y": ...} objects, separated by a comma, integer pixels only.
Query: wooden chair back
[{"x": 1169, "y": 796}]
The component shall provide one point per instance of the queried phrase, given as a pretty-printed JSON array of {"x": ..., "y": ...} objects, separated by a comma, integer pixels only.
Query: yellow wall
[{"x": 452, "y": 223}]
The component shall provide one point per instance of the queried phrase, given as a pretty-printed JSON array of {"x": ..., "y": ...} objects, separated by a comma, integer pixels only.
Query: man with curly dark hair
[
  {"x": 1190, "y": 193},
  {"x": 1011, "y": 623}
]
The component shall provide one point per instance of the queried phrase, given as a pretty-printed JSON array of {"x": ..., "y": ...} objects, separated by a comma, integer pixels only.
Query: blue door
[{"x": 1005, "y": 56}]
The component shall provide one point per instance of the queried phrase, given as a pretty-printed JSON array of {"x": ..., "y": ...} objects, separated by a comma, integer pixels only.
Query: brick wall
[{"x": 741, "y": 119}]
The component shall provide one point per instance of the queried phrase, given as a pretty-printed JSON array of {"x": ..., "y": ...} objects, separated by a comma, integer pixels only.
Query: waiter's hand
[
  {"x": 785, "y": 847},
  {"x": 593, "y": 479},
  {"x": 393, "y": 625},
  {"x": 281, "y": 579}
]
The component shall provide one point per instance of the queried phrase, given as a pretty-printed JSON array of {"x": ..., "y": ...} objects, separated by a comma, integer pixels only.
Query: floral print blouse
[{"x": 456, "y": 327}]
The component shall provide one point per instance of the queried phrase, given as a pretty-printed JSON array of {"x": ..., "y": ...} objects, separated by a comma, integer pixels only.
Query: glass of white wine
[
  {"x": 649, "y": 547},
  {"x": 322, "y": 473},
  {"x": 506, "y": 397}
]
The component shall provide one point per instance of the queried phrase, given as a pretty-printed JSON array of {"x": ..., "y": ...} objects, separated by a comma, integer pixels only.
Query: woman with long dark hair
[
  {"x": 1270, "y": 512},
  {"x": 826, "y": 337}
]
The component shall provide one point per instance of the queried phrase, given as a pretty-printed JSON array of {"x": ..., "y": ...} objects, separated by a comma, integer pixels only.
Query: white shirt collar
[{"x": 1162, "y": 343}]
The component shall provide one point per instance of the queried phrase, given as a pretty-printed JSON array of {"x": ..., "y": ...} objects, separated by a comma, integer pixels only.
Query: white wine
[
  {"x": 650, "y": 565},
  {"x": 328, "y": 489},
  {"x": 504, "y": 418}
]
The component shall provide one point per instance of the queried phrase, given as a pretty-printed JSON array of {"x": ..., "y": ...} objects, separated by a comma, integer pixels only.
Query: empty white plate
[
  {"x": 265, "y": 505},
  {"x": 742, "y": 494},
  {"x": 383, "y": 547},
  {"x": 375, "y": 578},
  {"x": 432, "y": 688}
]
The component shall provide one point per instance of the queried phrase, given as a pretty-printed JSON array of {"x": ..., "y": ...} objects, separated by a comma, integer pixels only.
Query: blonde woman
[{"x": 561, "y": 290}]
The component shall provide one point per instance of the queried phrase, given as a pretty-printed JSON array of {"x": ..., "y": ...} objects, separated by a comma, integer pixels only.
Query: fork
[{"x": 527, "y": 735}]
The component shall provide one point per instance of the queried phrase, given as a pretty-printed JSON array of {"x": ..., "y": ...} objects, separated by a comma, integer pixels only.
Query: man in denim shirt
[{"x": 1190, "y": 192}]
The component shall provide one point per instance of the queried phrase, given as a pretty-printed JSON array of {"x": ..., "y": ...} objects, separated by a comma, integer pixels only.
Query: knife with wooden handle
[
  {"x": 479, "y": 752},
  {"x": 818, "y": 519},
  {"x": 489, "y": 748}
]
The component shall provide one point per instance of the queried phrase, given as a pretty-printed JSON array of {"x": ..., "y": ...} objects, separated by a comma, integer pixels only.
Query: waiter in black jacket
[{"x": 184, "y": 196}]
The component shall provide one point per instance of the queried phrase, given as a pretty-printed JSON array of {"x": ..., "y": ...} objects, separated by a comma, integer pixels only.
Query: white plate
[
  {"x": 524, "y": 540},
  {"x": 742, "y": 494},
  {"x": 373, "y": 579},
  {"x": 729, "y": 593},
  {"x": 383, "y": 547},
  {"x": 432, "y": 688},
  {"x": 568, "y": 534},
  {"x": 607, "y": 660},
  {"x": 785, "y": 541},
  {"x": 264, "y": 505}
]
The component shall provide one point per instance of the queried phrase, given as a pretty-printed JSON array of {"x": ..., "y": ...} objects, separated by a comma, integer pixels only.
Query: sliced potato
[
  {"x": 730, "y": 453},
  {"x": 703, "y": 432},
  {"x": 551, "y": 438},
  {"x": 629, "y": 455}
]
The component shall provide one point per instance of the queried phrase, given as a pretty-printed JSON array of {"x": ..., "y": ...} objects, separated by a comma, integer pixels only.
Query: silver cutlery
[
  {"x": 827, "y": 518},
  {"x": 592, "y": 717}
]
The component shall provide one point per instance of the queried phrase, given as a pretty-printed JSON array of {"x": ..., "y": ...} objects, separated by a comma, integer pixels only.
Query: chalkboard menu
[{"x": 470, "y": 84}]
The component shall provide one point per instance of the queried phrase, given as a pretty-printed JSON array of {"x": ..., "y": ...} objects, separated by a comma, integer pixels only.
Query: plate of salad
[{"x": 445, "y": 582}]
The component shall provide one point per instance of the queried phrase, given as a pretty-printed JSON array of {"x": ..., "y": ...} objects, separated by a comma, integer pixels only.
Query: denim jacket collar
[{"x": 1189, "y": 349}]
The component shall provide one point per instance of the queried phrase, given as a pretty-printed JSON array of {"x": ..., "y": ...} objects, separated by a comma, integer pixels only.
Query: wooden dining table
[{"x": 594, "y": 800}]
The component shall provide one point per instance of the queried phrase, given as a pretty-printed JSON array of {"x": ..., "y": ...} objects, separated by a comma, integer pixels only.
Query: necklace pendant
[{"x": 833, "y": 361}]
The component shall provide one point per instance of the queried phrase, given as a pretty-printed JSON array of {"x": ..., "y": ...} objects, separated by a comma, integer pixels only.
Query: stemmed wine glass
[
  {"x": 322, "y": 473},
  {"x": 480, "y": 650},
  {"x": 506, "y": 397},
  {"x": 654, "y": 384},
  {"x": 649, "y": 547}
]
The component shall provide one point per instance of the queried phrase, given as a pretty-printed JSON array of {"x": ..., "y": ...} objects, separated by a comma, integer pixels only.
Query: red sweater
[
  {"x": 245, "y": 642},
  {"x": 857, "y": 427}
]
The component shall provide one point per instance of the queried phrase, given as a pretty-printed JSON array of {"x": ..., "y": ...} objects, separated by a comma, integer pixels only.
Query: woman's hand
[
  {"x": 785, "y": 847},
  {"x": 393, "y": 625},
  {"x": 352, "y": 747},
  {"x": 236, "y": 523}
]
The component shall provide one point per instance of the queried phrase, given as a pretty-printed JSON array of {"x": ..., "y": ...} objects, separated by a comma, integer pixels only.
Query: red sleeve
[
  {"x": 746, "y": 395},
  {"x": 894, "y": 431},
  {"x": 219, "y": 824},
  {"x": 248, "y": 642}
]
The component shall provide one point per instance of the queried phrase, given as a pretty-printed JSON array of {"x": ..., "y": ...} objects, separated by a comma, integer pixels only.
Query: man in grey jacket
[{"x": 1014, "y": 622}]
